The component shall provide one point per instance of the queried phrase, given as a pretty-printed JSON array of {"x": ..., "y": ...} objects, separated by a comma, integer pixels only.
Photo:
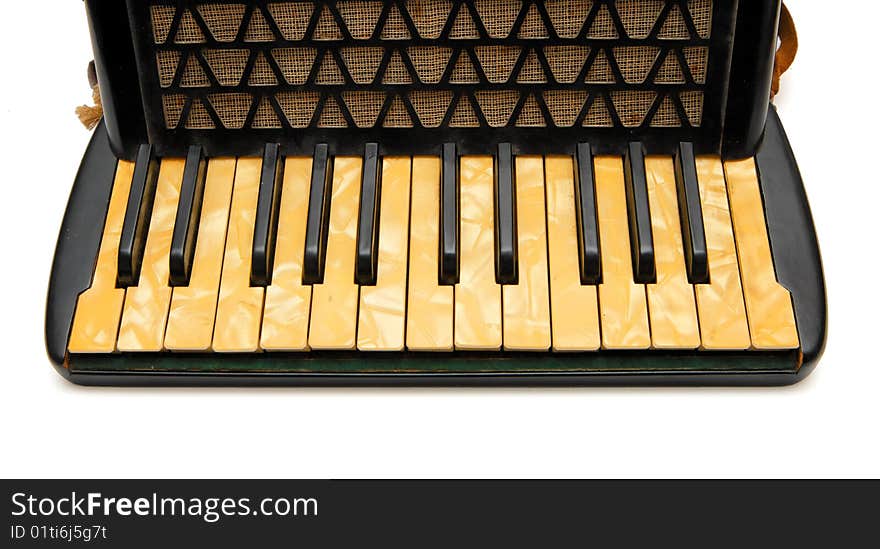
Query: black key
[
  {"x": 505, "y": 217},
  {"x": 691, "y": 212},
  {"x": 266, "y": 220},
  {"x": 137, "y": 217},
  {"x": 640, "y": 235},
  {"x": 318, "y": 221},
  {"x": 368, "y": 220},
  {"x": 189, "y": 210},
  {"x": 587, "y": 224},
  {"x": 449, "y": 221}
]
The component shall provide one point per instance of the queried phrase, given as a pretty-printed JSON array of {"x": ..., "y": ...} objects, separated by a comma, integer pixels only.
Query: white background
[{"x": 823, "y": 427}]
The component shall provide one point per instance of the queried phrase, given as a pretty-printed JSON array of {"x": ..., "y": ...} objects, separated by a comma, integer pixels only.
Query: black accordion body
[{"x": 436, "y": 192}]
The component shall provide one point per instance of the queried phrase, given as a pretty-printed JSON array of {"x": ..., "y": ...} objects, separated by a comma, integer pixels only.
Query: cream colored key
[
  {"x": 722, "y": 315},
  {"x": 622, "y": 303},
  {"x": 193, "y": 307},
  {"x": 574, "y": 308},
  {"x": 335, "y": 302},
  {"x": 96, "y": 321},
  {"x": 671, "y": 305},
  {"x": 382, "y": 313},
  {"x": 240, "y": 306},
  {"x": 477, "y": 295},
  {"x": 145, "y": 313},
  {"x": 768, "y": 303},
  {"x": 288, "y": 300},
  {"x": 526, "y": 304},
  {"x": 429, "y": 305}
]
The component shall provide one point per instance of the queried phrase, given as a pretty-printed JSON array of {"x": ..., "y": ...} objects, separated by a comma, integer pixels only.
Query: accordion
[{"x": 436, "y": 192}]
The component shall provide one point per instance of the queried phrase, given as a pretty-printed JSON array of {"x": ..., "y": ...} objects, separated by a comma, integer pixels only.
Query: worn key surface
[
  {"x": 382, "y": 312},
  {"x": 288, "y": 300},
  {"x": 526, "y": 304},
  {"x": 722, "y": 313},
  {"x": 622, "y": 301},
  {"x": 239, "y": 305},
  {"x": 429, "y": 315},
  {"x": 194, "y": 306},
  {"x": 145, "y": 313},
  {"x": 333, "y": 322},
  {"x": 96, "y": 320},
  {"x": 574, "y": 307},
  {"x": 477, "y": 295},
  {"x": 768, "y": 303},
  {"x": 671, "y": 303}
]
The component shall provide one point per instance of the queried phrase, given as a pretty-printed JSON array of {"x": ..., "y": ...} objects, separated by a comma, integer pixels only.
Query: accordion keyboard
[{"x": 434, "y": 253}]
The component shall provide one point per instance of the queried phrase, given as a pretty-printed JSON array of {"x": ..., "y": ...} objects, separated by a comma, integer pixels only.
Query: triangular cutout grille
[
  {"x": 167, "y": 63},
  {"x": 193, "y": 74},
  {"x": 327, "y": 29},
  {"x": 531, "y": 72},
  {"x": 397, "y": 115},
  {"x": 266, "y": 117},
  {"x": 674, "y": 28},
  {"x": 364, "y": 106},
  {"x": 258, "y": 29},
  {"x": 223, "y": 20},
  {"x": 189, "y": 32},
  {"x": 464, "y": 71},
  {"x": 701, "y": 13},
  {"x": 429, "y": 16},
  {"x": 566, "y": 62},
  {"x": 670, "y": 71},
  {"x": 199, "y": 119},
  {"x": 331, "y": 116},
  {"x": 298, "y": 107},
  {"x": 568, "y": 16},
  {"x": 464, "y": 27},
  {"x": 600, "y": 71},
  {"x": 163, "y": 17},
  {"x": 431, "y": 106},
  {"x": 262, "y": 74},
  {"x": 395, "y": 27},
  {"x": 362, "y": 63},
  {"x": 698, "y": 62},
  {"x": 531, "y": 115},
  {"x": 172, "y": 106},
  {"x": 227, "y": 65},
  {"x": 396, "y": 71},
  {"x": 639, "y": 16},
  {"x": 598, "y": 115},
  {"x": 692, "y": 101},
  {"x": 292, "y": 18},
  {"x": 497, "y": 105},
  {"x": 231, "y": 108},
  {"x": 533, "y": 26},
  {"x": 498, "y": 16},
  {"x": 464, "y": 115},
  {"x": 564, "y": 105},
  {"x": 603, "y": 25},
  {"x": 295, "y": 63},
  {"x": 666, "y": 116},
  {"x": 497, "y": 61},
  {"x": 329, "y": 73},
  {"x": 632, "y": 106},
  {"x": 635, "y": 62},
  {"x": 430, "y": 62},
  {"x": 360, "y": 17}
]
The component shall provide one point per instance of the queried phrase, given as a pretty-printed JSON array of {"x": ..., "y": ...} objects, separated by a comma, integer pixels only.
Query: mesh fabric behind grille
[{"x": 432, "y": 63}]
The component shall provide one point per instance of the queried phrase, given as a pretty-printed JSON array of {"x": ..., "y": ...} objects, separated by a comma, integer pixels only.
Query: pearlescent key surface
[
  {"x": 622, "y": 303},
  {"x": 526, "y": 305},
  {"x": 574, "y": 307},
  {"x": 429, "y": 315},
  {"x": 240, "y": 306},
  {"x": 193, "y": 307},
  {"x": 145, "y": 313},
  {"x": 333, "y": 323},
  {"x": 382, "y": 313},
  {"x": 96, "y": 321},
  {"x": 768, "y": 303},
  {"x": 722, "y": 314},
  {"x": 671, "y": 305},
  {"x": 288, "y": 300},
  {"x": 477, "y": 295}
]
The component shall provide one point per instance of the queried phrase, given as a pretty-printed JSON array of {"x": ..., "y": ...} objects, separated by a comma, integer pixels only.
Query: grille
[{"x": 431, "y": 63}]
